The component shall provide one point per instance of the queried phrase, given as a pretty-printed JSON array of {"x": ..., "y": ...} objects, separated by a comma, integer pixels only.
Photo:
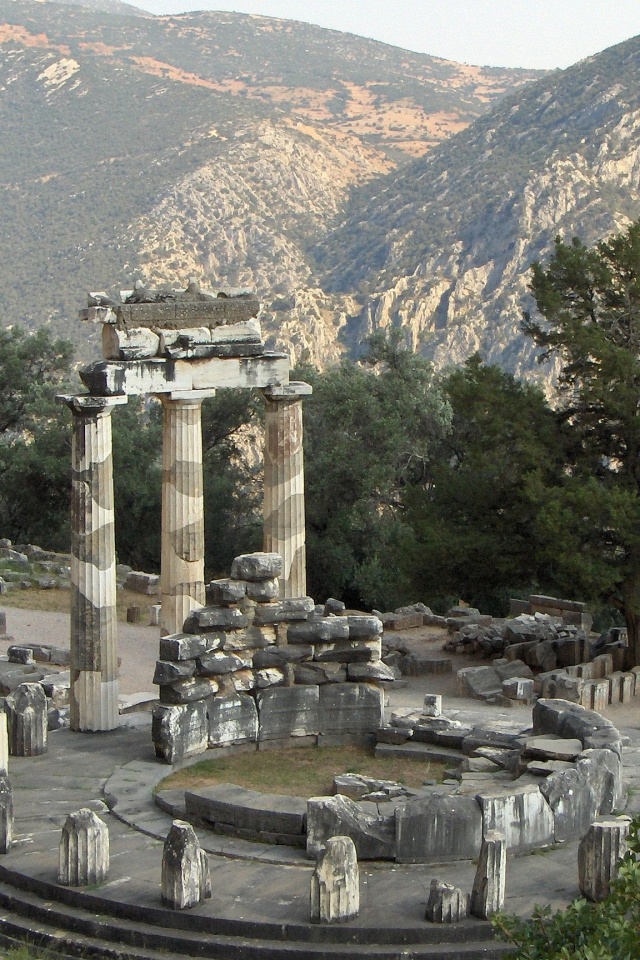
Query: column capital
[
  {"x": 294, "y": 390},
  {"x": 86, "y": 405}
]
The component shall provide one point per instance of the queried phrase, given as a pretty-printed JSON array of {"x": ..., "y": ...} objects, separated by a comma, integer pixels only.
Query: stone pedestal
[
  {"x": 284, "y": 518},
  {"x": 446, "y": 903},
  {"x": 487, "y": 896},
  {"x": 182, "y": 564},
  {"x": 185, "y": 868},
  {"x": 599, "y": 853},
  {"x": 335, "y": 883},
  {"x": 94, "y": 683},
  {"x": 84, "y": 850},
  {"x": 26, "y": 710}
]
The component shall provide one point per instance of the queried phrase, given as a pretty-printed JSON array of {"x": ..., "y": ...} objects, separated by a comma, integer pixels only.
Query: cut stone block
[
  {"x": 180, "y": 731},
  {"x": 482, "y": 683},
  {"x": 232, "y": 720},
  {"x": 253, "y": 638},
  {"x": 145, "y": 583},
  {"x": 221, "y": 592},
  {"x": 288, "y": 712},
  {"x": 229, "y": 804},
  {"x": 168, "y": 671},
  {"x": 353, "y": 708},
  {"x": 188, "y": 691},
  {"x": 26, "y": 711},
  {"x": 84, "y": 850},
  {"x": 521, "y": 814},
  {"x": 19, "y": 654},
  {"x": 599, "y": 855},
  {"x": 488, "y": 892},
  {"x": 215, "y": 663},
  {"x": 363, "y": 626},
  {"x": 362, "y": 672},
  {"x": 373, "y": 836},
  {"x": 262, "y": 591},
  {"x": 188, "y": 646},
  {"x": 552, "y": 748},
  {"x": 436, "y": 829},
  {"x": 212, "y": 618},
  {"x": 602, "y": 665},
  {"x": 319, "y": 630},
  {"x": 628, "y": 687},
  {"x": 185, "y": 880},
  {"x": 446, "y": 903},
  {"x": 257, "y": 566},
  {"x": 596, "y": 694},
  {"x": 320, "y": 673},
  {"x": 280, "y": 656},
  {"x": 518, "y": 688},
  {"x": 432, "y": 705},
  {"x": 349, "y": 651},
  {"x": 279, "y": 611},
  {"x": 335, "y": 883},
  {"x": 569, "y": 688},
  {"x": 507, "y": 669}
]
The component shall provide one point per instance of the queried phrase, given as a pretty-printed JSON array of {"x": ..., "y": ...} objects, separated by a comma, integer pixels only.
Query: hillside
[
  {"x": 444, "y": 246},
  {"x": 218, "y": 145}
]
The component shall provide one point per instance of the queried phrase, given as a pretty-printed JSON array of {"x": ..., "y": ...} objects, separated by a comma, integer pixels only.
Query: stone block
[
  {"x": 432, "y": 705},
  {"x": 487, "y": 896},
  {"x": 541, "y": 656},
  {"x": 363, "y": 626},
  {"x": 551, "y": 748},
  {"x": 334, "y": 606},
  {"x": 481, "y": 683},
  {"x": 20, "y": 654},
  {"x": 217, "y": 662},
  {"x": 253, "y": 638},
  {"x": 348, "y": 651},
  {"x": 257, "y": 566},
  {"x": 320, "y": 673},
  {"x": 4, "y": 745},
  {"x": 596, "y": 694},
  {"x": 26, "y": 711},
  {"x": 518, "y": 688},
  {"x": 602, "y": 665},
  {"x": 569, "y": 688},
  {"x": 319, "y": 630},
  {"x": 180, "y": 731},
  {"x": 350, "y": 708},
  {"x": 6, "y": 814},
  {"x": 370, "y": 672},
  {"x": 507, "y": 669},
  {"x": 215, "y": 618},
  {"x": 188, "y": 691},
  {"x": 188, "y": 646},
  {"x": 262, "y": 591},
  {"x": 168, "y": 671},
  {"x": 402, "y": 621},
  {"x": 628, "y": 687},
  {"x": 335, "y": 883},
  {"x": 446, "y": 903},
  {"x": 280, "y": 611},
  {"x": 521, "y": 814},
  {"x": 288, "y": 712},
  {"x": 599, "y": 855},
  {"x": 269, "y": 677},
  {"x": 224, "y": 592},
  {"x": 84, "y": 850},
  {"x": 145, "y": 583},
  {"x": 185, "y": 879},
  {"x": 232, "y": 720},
  {"x": 247, "y": 809},
  {"x": 373, "y": 836},
  {"x": 437, "y": 829},
  {"x": 280, "y": 656}
]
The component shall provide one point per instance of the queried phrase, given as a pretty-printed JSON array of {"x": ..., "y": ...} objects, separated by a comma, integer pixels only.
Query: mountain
[
  {"x": 217, "y": 145},
  {"x": 442, "y": 247}
]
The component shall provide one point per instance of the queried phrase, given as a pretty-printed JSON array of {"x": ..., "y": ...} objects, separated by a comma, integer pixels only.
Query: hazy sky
[{"x": 509, "y": 33}]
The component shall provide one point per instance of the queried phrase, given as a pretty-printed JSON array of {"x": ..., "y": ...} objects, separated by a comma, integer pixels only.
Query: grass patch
[
  {"x": 301, "y": 772},
  {"x": 58, "y": 601}
]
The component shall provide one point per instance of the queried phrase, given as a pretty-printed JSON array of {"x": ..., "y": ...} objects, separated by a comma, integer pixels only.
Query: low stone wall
[{"x": 249, "y": 668}]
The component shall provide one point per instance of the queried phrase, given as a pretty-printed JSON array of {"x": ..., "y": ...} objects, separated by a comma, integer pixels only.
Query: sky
[{"x": 538, "y": 34}]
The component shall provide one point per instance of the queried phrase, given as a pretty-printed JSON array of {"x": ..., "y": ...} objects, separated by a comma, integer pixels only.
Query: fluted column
[
  {"x": 284, "y": 519},
  {"x": 94, "y": 653},
  {"x": 182, "y": 562}
]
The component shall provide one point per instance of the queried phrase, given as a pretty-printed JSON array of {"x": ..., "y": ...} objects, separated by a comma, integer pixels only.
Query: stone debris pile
[
  {"x": 249, "y": 667},
  {"x": 24, "y": 566}
]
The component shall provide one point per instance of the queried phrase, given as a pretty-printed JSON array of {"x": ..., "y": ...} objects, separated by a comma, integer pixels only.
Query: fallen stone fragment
[
  {"x": 446, "y": 903},
  {"x": 185, "y": 880},
  {"x": 84, "y": 850}
]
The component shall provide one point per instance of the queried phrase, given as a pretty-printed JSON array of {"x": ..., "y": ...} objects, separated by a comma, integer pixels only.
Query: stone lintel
[
  {"x": 84, "y": 404},
  {"x": 190, "y": 394},
  {"x": 288, "y": 391},
  {"x": 184, "y": 313},
  {"x": 109, "y": 378}
]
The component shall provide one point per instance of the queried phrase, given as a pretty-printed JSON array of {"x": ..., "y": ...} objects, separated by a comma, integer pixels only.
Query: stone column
[
  {"x": 182, "y": 563},
  {"x": 599, "y": 854},
  {"x": 284, "y": 531},
  {"x": 94, "y": 678}
]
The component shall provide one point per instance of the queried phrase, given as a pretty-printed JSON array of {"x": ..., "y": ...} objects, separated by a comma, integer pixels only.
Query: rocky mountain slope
[
  {"x": 216, "y": 145},
  {"x": 444, "y": 246}
]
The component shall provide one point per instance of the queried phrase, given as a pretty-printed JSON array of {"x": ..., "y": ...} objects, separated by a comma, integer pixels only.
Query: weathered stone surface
[
  {"x": 521, "y": 814},
  {"x": 319, "y": 630},
  {"x": 432, "y": 705},
  {"x": 232, "y": 720},
  {"x": 185, "y": 879},
  {"x": 145, "y": 583},
  {"x": 188, "y": 646},
  {"x": 180, "y": 731},
  {"x": 279, "y": 611},
  {"x": 353, "y": 708},
  {"x": 269, "y": 677},
  {"x": 262, "y": 591},
  {"x": 518, "y": 688},
  {"x": 20, "y": 654},
  {"x": 506, "y": 669},
  {"x": 288, "y": 712},
  {"x": 446, "y": 903},
  {"x": 543, "y": 768},
  {"x": 247, "y": 809},
  {"x": 221, "y": 592},
  {"x": 6, "y": 814},
  {"x": 487, "y": 896},
  {"x": 437, "y": 829},
  {"x": 279, "y": 656},
  {"x": 335, "y": 883},
  {"x": 26, "y": 711},
  {"x": 602, "y": 665},
  {"x": 215, "y": 663},
  {"x": 363, "y": 626},
  {"x": 349, "y": 651},
  {"x": 212, "y": 618},
  {"x": 374, "y": 837},
  {"x": 362, "y": 672},
  {"x": 320, "y": 673},
  {"x": 168, "y": 671},
  {"x": 188, "y": 691},
  {"x": 481, "y": 683},
  {"x": 552, "y": 748},
  {"x": 257, "y": 566},
  {"x": 4, "y": 745},
  {"x": 84, "y": 850},
  {"x": 599, "y": 855},
  {"x": 253, "y": 638},
  {"x": 569, "y": 688}
]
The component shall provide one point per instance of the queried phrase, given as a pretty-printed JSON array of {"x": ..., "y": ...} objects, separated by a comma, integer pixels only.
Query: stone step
[
  {"x": 90, "y": 925},
  {"x": 420, "y": 751}
]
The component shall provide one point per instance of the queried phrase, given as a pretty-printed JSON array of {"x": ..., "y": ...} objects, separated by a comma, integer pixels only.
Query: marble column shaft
[
  {"x": 94, "y": 666},
  {"x": 284, "y": 515},
  {"x": 182, "y": 563}
]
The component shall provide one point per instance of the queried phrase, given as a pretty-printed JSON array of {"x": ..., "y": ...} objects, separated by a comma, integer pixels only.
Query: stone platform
[{"x": 260, "y": 903}]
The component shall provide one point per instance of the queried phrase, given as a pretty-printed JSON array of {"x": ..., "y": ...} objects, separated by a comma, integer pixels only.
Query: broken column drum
[{"x": 180, "y": 346}]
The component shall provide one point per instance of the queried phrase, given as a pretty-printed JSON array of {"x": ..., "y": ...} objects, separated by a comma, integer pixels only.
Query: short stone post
[
  {"x": 446, "y": 903},
  {"x": 487, "y": 896},
  {"x": 6, "y": 814},
  {"x": 26, "y": 710},
  {"x": 182, "y": 560},
  {"x": 284, "y": 516},
  {"x": 185, "y": 868},
  {"x": 4, "y": 745},
  {"x": 94, "y": 622},
  {"x": 335, "y": 882},
  {"x": 599, "y": 853},
  {"x": 84, "y": 850}
]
